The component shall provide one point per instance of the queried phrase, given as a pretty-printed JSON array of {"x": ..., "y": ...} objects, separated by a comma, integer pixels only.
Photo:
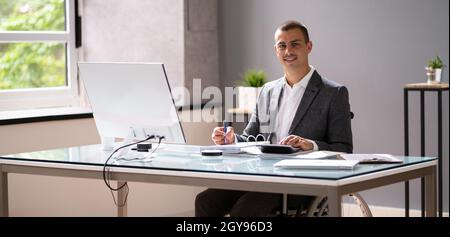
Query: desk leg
[
  {"x": 284, "y": 204},
  {"x": 405, "y": 105},
  {"x": 431, "y": 193},
  {"x": 422, "y": 148},
  {"x": 334, "y": 203},
  {"x": 440, "y": 157},
  {"x": 122, "y": 209},
  {"x": 3, "y": 193}
]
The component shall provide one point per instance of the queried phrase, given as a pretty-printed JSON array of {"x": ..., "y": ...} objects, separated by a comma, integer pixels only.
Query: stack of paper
[
  {"x": 317, "y": 164},
  {"x": 233, "y": 148}
]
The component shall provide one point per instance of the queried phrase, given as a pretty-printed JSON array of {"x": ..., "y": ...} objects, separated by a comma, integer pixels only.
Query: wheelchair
[{"x": 318, "y": 207}]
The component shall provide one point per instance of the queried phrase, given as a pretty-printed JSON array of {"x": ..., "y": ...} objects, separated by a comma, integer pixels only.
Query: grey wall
[
  {"x": 180, "y": 34},
  {"x": 201, "y": 42},
  {"x": 136, "y": 31},
  {"x": 372, "y": 47}
]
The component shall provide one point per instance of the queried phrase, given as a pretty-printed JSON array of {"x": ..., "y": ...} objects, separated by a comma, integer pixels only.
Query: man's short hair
[{"x": 290, "y": 25}]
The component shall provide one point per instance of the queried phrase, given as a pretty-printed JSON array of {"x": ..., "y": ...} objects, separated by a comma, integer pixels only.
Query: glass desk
[{"x": 184, "y": 165}]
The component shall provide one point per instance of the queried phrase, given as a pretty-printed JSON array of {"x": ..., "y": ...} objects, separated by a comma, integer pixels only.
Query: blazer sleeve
[
  {"x": 253, "y": 126},
  {"x": 339, "y": 132}
]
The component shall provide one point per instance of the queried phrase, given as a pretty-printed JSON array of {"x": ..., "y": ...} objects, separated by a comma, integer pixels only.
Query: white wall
[
  {"x": 47, "y": 135},
  {"x": 372, "y": 47}
]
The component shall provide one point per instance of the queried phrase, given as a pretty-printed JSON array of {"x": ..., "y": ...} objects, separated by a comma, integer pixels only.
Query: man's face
[{"x": 291, "y": 48}]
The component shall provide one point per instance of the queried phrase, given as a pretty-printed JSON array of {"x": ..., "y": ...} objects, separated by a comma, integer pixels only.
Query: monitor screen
[{"x": 131, "y": 99}]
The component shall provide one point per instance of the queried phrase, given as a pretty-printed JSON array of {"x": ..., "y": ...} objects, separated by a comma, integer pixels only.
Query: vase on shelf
[{"x": 434, "y": 75}]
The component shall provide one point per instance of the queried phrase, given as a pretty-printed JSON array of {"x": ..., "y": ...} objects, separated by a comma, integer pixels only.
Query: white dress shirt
[{"x": 289, "y": 102}]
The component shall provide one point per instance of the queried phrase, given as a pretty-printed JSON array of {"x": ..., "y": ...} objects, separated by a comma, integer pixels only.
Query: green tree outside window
[{"x": 36, "y": 64}]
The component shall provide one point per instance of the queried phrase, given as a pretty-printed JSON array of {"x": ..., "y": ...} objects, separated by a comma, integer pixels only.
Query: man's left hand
[{"x": 297, "y": 142}]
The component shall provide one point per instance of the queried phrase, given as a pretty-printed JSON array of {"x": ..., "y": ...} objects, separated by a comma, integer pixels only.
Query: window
[{"x": 37, "y": 54}]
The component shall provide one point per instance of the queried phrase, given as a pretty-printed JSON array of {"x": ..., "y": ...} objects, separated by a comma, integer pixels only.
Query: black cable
[
  {"x": 107, "y": 174},
  {"x": 133, "y": 159},
  {"x": 110, "y": 156}
]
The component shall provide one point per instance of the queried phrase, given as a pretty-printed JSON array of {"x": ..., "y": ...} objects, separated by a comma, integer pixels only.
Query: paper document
[
  {"x": 320, "y": 155},
  {"x": 226, "y": 149},
  {"x": 232, "y": 148},
  {"x": 372, "y": 158},
  {"x": 317, "y": 164},
  {"x": 253, "y": 150}
]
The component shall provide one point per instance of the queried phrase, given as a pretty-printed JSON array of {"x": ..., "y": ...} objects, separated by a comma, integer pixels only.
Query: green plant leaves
[
  {"x": 435, "y": 63},
  {"x": 254, "y": 78}
]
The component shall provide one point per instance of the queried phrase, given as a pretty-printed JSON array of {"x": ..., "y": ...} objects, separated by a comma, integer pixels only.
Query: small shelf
[{"x": 427, "y": 86}]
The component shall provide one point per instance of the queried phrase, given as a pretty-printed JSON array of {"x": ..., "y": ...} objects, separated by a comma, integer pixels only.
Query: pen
[{"x": 225, "y": 132}]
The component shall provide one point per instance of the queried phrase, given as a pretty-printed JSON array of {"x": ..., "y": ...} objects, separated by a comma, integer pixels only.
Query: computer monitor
[{"x": 131, "y": 100}]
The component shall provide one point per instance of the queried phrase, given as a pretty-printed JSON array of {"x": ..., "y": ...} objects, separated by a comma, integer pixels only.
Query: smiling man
[{"x": 301, "y": 109}]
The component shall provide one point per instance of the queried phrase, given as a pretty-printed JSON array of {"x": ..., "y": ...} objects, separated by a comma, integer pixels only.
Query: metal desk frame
[{"x": 334, "y": 189}]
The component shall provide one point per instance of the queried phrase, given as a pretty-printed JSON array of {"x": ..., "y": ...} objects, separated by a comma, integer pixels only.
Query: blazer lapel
[
  {"x": 274, "y": 103},
  {"x": 310, "y": 93}
]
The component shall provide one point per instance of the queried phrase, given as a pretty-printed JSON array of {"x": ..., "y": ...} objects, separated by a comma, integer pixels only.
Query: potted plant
[
  {"x": 249, "y": 88},
  {"x": 434, "y": 70}
]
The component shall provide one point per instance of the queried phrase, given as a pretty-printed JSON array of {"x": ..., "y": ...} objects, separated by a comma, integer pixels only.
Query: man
[{"x": 301, "y": 109}]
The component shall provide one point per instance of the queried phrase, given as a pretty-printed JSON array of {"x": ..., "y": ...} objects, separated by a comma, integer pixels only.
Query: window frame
[{"x": 34, "y": 98}]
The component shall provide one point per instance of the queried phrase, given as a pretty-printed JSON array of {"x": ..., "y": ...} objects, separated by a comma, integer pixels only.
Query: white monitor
[{"x": 131, "y": 99}]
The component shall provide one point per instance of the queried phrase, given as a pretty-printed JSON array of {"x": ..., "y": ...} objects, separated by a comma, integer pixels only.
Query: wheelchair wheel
[
  {"x": 319, "y": 207},
  {"x": 361, "y": 203}
]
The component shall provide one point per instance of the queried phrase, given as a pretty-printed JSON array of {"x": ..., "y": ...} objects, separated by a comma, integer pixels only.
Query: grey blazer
[{"x": 323, "y": 114}]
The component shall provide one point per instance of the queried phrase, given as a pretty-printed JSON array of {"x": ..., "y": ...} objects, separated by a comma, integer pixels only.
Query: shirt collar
[{"x": 303, "y": 82}]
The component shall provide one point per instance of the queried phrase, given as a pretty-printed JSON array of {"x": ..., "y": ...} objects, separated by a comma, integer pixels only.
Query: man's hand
[
  {"x": 297, "y": 142},
  {"x": 218, "y": 135}
]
